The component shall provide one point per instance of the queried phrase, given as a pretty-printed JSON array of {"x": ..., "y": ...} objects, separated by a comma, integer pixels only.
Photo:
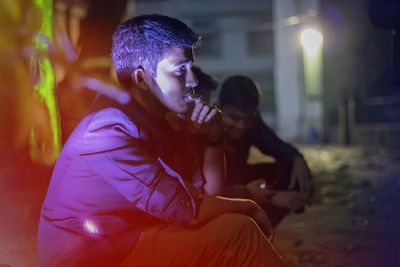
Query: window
[
  {"x": 210, "y": 45},
  {"x": 260, "y": 42}
]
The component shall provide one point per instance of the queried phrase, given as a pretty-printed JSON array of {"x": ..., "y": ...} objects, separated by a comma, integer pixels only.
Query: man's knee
[
  {"x": 237, "y": 225},
  {"x": 240, "y": 220}
]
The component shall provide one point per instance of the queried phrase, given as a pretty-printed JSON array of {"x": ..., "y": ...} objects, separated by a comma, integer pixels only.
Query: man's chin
[
  {"x": 178, "y": 109},
  {"x": 183, "y": 110}
]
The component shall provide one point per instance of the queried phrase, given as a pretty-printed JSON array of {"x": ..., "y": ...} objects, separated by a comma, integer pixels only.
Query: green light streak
[{"x": 45, "y": 87}]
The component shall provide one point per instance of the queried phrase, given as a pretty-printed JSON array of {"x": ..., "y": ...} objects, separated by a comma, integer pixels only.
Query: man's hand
[
  {"x": 205, "y": 119},
  {"x": 291, "y": 200},
  {"x": 258, "y": 191},
  {"x": 301, "y": 175}
]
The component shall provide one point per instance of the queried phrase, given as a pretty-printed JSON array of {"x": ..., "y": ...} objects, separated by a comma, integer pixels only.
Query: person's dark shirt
[{"x": 262, "y": 137}]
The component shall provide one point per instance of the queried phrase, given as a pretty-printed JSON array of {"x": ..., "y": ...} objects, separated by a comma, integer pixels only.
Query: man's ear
[{"x": 139, "y": 75}]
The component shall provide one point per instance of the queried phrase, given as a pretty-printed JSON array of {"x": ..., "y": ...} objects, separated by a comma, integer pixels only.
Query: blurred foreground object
[
  {"x": 28, "y": 116},
  {"x": 86, "y": 27}
]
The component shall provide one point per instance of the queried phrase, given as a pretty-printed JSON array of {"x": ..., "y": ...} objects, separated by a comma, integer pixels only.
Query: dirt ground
[{"x": 354, "y": 219}]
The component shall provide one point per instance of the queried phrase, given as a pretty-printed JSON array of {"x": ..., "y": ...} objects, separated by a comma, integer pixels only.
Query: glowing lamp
[{"x": 312, "y": 41}]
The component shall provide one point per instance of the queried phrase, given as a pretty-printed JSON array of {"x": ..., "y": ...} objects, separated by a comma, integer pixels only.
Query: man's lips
[{"x": 190, "y": 97}]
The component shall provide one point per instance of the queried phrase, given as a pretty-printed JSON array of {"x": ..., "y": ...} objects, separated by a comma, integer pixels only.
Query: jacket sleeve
[
  {"x": 112, "y": 148},
  {"x": 270, "y": 144}
]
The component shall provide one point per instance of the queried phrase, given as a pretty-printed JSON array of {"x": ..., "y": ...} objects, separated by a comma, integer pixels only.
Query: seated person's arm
[
  {"x": 301, "y": 175},
  {"x": 206, "y": 121},
  {"x": 269, "y": 143},
  {"x": 214, "y": 170}
]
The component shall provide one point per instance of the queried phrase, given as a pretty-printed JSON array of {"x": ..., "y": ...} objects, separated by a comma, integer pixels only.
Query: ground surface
[{"x": 354, "y": 220}]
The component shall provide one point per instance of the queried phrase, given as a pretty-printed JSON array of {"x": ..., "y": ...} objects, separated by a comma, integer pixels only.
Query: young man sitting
[
  {"x": 135, "y": 183},
  {"x": 279, "y": 187}
]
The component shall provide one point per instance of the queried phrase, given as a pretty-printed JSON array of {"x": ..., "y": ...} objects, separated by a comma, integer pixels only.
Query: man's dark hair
[
  {"x": 239, "y": 92},
  {"x": 144, "y": 41}
]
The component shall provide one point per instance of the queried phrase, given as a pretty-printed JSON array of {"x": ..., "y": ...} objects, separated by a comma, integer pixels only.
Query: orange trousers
[{"x": 228, "y": 240}]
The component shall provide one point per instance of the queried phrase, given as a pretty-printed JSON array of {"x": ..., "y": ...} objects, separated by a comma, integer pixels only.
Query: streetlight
[{"x": 312, "y": 42}]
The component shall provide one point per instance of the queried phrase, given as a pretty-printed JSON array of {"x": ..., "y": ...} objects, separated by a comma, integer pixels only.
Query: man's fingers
[
  {"x": 197, "y": 101},
  {"x": 196, "y": 111},
  {"x": 211, "y": 115},
  {"x": 292, "y": 181},
  {"x": 306, "y": 187},
  {"x": 203, "y": 114},
  {"x": 310, "y": 190},
  {"x": 302, "y": 184},
  {"x": 302, "y": 178}
]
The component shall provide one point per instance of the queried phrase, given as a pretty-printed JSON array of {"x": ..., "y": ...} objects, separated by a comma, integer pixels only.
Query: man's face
[
  {"x": 236, "y": 122},
  {"x": 174, "y": 80}
]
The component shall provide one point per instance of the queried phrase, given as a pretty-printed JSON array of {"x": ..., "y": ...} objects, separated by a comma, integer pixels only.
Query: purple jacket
[{"x": 120, "y": 170}]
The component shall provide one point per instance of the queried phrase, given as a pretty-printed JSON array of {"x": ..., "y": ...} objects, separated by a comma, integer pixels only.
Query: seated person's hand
[
  {"x": 205, "y": 119},
  {"x": 291, "y": 200},
  {"x": 301, "y": 175},
  {"x": 258, "y": 191}
]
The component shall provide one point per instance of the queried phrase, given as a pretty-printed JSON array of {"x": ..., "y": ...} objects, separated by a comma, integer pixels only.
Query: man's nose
[{"x": 191, "y": 80}]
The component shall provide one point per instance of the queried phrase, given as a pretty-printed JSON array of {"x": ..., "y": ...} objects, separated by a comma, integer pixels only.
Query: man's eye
[{"x": 182, "y": 69}]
